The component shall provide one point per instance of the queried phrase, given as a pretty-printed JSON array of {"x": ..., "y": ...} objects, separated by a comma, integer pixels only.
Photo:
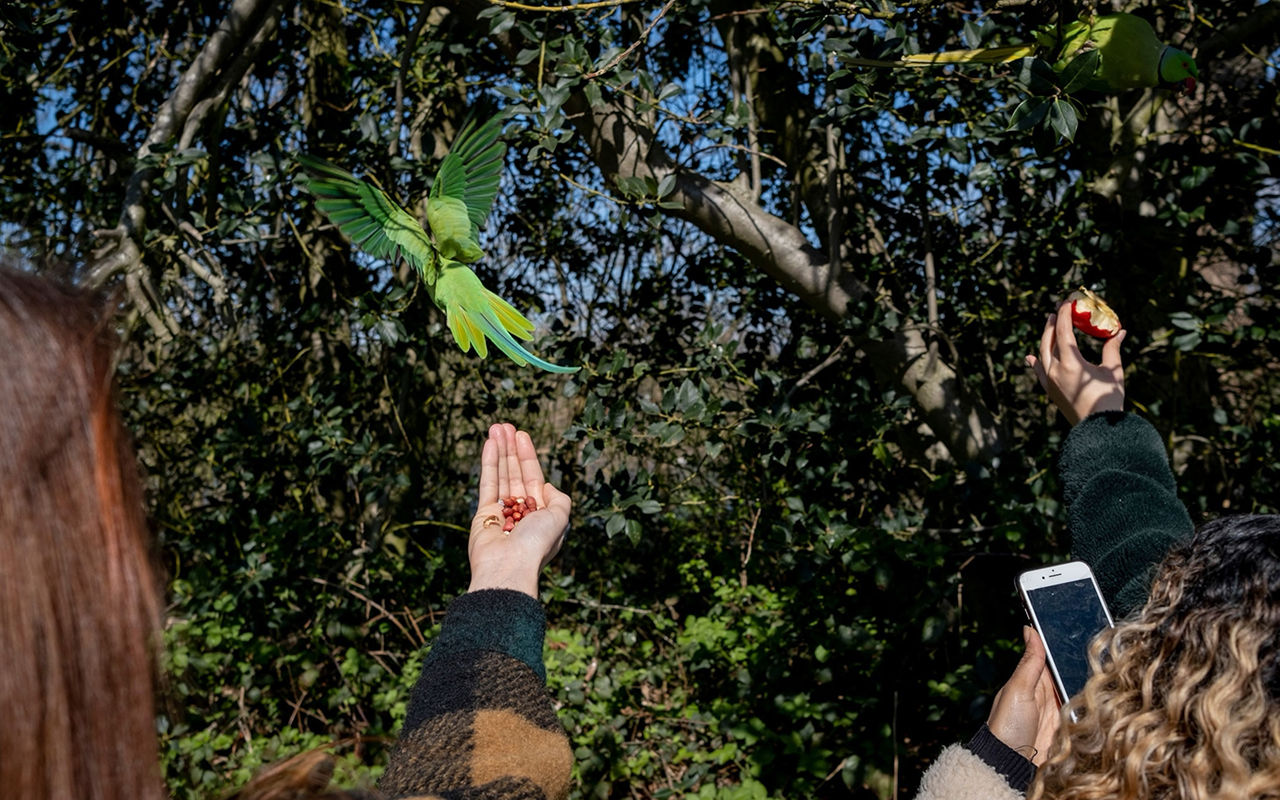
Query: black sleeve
[
  {"x": 1122, "y": 504},
  {"x": 1015, "y": 768}
]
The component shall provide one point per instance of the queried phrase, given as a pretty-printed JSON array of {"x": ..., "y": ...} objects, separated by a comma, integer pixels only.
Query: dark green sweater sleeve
[
  {"x": 499, "y": 620},
  {"x": 1122, "y": 504},
  {"x": 480, "y": 724}
]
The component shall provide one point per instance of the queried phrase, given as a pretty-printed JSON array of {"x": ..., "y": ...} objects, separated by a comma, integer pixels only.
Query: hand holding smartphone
[{"x": 1066, "y": 608}]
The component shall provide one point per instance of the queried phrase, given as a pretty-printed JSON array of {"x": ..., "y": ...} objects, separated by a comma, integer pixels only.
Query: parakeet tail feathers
[
  {"x": 985, "y": 55},
  {"x": 498, "y": 321}
]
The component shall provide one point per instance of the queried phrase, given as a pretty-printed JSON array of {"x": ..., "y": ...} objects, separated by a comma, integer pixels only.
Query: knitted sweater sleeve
[
  {"x": 1122, "y": 504},
  {"x": 480, "y": 724}
]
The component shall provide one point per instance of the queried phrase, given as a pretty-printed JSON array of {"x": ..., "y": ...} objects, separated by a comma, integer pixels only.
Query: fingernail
[
  {"x": 1026, "y": 634},
  {"x": 1030, "y": 361}
]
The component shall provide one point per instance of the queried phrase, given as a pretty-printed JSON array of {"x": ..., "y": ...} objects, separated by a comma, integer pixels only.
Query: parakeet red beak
[
  {"x": 1091, "y": 315},
  {"x": 1188, "y": 85}
]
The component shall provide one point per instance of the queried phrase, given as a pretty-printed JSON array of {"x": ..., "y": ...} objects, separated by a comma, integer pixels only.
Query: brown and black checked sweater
[{"x": 480, "y": 724}]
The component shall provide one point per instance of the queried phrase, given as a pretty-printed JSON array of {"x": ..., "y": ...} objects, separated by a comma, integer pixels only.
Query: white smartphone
[{"x": 1066, "y": 608}]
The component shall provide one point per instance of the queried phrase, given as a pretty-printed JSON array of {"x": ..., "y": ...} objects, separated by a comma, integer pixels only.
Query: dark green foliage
[{"x": 778, "y": 582}]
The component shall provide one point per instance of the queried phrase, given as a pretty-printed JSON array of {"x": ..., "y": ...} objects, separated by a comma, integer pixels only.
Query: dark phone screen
[{"x": 1070, "y": 615}]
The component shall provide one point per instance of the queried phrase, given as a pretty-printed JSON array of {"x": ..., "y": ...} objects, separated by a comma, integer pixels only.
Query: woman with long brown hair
[{"x": 80, "y": 602}]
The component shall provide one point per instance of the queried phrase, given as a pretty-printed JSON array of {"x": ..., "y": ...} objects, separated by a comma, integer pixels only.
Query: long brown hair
[
  {"x": 1184, "y": 703},
  {"x": 79, "y": 601}
]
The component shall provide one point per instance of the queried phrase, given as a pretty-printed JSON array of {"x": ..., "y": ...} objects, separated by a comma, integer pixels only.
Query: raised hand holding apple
[
  {"x": 1077, "y": 387},
  {"x": 511, "y": 556}
]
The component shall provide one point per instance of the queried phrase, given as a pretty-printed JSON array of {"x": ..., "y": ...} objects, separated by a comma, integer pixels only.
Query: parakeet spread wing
[
  {"x": 464, "y": 189},
  {"x": 473, "y": 313},
  {"x": 374, "y": 221},
  {"x": 383, "y": 229}
]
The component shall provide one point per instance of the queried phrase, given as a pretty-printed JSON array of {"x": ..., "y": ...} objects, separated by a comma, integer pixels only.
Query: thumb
[
  {"x": 1031, "y": 666},
  {"x": 1111, "y": 353}
]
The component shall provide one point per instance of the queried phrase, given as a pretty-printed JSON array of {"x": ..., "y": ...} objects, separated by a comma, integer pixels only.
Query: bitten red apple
[{"x": 1091, "y": 314}]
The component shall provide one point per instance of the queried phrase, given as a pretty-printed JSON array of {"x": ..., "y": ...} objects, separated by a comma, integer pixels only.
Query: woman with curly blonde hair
[
  {"x": 1184, "y": 698},
  {"x": 1184, "y": 701}
]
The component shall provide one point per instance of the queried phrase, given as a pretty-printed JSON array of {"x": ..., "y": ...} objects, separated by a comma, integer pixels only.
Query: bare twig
[
  {"x": 746, "y": 555},
  {"x": 591, "y": 191},
  {"x": 406, "y": 56},
  {"x": 644, "y": 37},
  {"x": 388, "y": 614},
  {"x": 835, "y": 356},
  {"x": 211, "y": 271},
  {"x": 577, "y": 7}
]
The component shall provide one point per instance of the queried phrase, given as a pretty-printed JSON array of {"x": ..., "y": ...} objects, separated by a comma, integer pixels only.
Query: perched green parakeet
[
  {"x": 459, "y": 202},
  {"x": 1131, "y": 55}
]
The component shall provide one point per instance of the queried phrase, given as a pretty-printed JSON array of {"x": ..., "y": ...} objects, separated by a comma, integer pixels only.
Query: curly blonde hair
[{"x": 1184, "y": 701}]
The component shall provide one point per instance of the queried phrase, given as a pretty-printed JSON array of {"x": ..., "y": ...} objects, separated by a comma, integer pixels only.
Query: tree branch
[
  {"x": 1260, "y": 25},
  {"x": 244, "y": 18},
  {"x": 622, "y": 146}
]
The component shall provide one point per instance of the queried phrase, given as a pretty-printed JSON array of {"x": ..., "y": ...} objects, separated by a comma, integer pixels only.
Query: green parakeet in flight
[
  {"x": 460, "y": 200},
  {"x": 1131, "y": 55}
]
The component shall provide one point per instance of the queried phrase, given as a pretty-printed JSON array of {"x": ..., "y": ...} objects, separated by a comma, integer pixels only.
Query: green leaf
[
  {"x": 633, "y": 186},
  {"x": 1028, "y": 113},
  {"x": 615, "y": 524},
  {"x": 1080, "y": 71},
  {"x": 1188, "y": 341},
  {"x": 666, "y": 185},
  {"x": 594, "y": 96},
  {"x": 1184, "y": 320},
  {"x": 1062, "y": 116},
  {"x": 1037, "y": 75},
  {"x": 1044, "y": 139}
]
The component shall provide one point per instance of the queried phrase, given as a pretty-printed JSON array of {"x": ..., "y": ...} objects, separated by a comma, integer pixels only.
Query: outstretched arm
[
  {"x": 1122, "y": 503},
  {"x": 480, "y": 723}
]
